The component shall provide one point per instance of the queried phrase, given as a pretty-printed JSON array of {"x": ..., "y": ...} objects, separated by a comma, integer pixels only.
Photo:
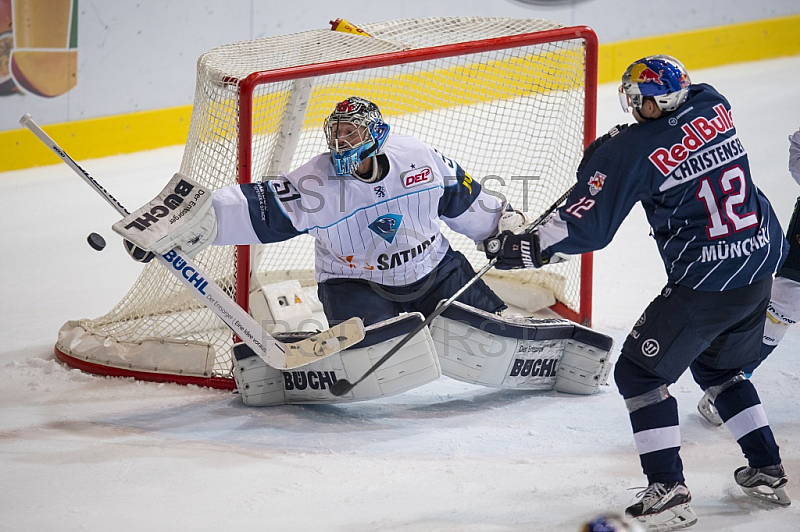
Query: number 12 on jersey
[
  {"x": 579, "y": 207},
  {"x": 732, "y": 182}
]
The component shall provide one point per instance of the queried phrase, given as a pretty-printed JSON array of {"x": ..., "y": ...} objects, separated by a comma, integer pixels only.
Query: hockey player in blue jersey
[{"x": 720, "y": 242}]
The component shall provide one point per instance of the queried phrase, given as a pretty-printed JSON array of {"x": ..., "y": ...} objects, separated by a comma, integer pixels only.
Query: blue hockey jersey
[{"x": 715, "y": 230}]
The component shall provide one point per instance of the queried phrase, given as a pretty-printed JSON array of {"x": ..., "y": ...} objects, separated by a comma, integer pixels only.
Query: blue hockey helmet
[
  {"x": 611, "y": 522},
  {"x": 661, "y": 77},
  {"x": 355, "y": 130}
]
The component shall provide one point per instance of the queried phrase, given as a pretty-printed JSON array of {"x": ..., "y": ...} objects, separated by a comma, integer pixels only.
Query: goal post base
[{"x": 219, "y": 383}]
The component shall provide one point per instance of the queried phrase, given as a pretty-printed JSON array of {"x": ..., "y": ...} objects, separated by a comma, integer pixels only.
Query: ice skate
[
  {"x": 709, "y": 411},
  {"x": 663, "y": 507},
  {"x": 764, "y": 483}
]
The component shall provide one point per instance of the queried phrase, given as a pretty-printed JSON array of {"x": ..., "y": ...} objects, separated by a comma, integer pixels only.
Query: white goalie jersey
[{"x": 387, "y": 232}]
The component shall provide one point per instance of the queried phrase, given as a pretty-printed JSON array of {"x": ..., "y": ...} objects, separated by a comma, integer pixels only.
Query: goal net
[{"x": 511, "y": 100}]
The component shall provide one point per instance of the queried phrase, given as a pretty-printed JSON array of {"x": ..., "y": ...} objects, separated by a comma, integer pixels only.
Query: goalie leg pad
[
  {"x": 414, "y": 365},
  {"x": 520, "y": 353}
]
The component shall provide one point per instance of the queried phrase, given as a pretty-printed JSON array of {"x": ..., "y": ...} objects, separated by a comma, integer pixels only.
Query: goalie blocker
[{"x": 180, "y": 216}]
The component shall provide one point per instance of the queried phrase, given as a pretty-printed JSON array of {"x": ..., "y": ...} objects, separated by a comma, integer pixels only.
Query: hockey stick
[
  {"x": 276, "y": 354},
  {"x": 343, "y": 386}
]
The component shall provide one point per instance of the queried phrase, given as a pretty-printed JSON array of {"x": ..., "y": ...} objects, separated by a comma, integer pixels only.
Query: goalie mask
[
  {"x": 661, "y": 77},
  {"x": 355, "y": 131}
]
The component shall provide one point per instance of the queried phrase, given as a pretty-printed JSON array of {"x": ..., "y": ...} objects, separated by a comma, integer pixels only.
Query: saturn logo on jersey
[
  {"x": 417, "y": 176},
  {"x": 386, "y": 226}
]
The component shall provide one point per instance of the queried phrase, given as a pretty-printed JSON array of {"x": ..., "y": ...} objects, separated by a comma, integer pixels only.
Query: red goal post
[{"x": 512, "y": 100}]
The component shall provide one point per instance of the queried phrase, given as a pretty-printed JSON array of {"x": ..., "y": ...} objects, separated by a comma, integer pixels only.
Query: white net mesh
[{"x": 511, "y": 113}]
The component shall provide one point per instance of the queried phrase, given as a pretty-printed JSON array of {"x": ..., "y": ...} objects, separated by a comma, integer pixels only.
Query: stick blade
[{"x": 341, "y": 387}]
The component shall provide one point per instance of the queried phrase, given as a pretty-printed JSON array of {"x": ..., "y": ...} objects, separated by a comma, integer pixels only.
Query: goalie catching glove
[{"x": 181, "y": 216}]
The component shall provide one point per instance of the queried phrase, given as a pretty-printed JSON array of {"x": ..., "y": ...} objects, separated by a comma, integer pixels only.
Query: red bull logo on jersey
[
  {"x": 697, "y": 133},
  {"x": 596, "y": 183}
]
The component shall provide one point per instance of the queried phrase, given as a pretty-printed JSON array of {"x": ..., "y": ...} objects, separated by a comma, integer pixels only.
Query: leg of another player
[
  {"x": 782, "y": 312},
  {"x": 784, "y": 305},
  {"x": 735, "y": 396}
]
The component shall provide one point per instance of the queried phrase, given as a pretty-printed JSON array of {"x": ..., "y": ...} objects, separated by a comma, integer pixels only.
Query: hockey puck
[{"x": 96, "y": 241}]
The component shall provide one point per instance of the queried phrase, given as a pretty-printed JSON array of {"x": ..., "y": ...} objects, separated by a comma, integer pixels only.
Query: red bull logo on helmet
[{"x": 641, "y": 73}]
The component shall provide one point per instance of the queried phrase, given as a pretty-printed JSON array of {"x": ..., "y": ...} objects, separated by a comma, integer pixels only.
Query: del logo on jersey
[{"x": 417, "y": 176}]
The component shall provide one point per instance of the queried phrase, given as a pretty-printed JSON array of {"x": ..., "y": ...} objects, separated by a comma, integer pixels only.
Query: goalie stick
[
  {"x": 343, "y": 386},
  {"x": 276, "y": 354}
]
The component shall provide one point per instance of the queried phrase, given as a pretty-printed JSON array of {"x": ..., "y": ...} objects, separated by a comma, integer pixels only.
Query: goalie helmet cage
[{"x": 512, "y": 100}]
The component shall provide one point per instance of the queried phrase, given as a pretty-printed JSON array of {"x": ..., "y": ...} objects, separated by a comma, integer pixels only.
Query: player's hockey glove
[
  {"x": 591, "y": 148},
  {"x": 138, "y": 254},
  {"x": 514, "y": 251}
]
